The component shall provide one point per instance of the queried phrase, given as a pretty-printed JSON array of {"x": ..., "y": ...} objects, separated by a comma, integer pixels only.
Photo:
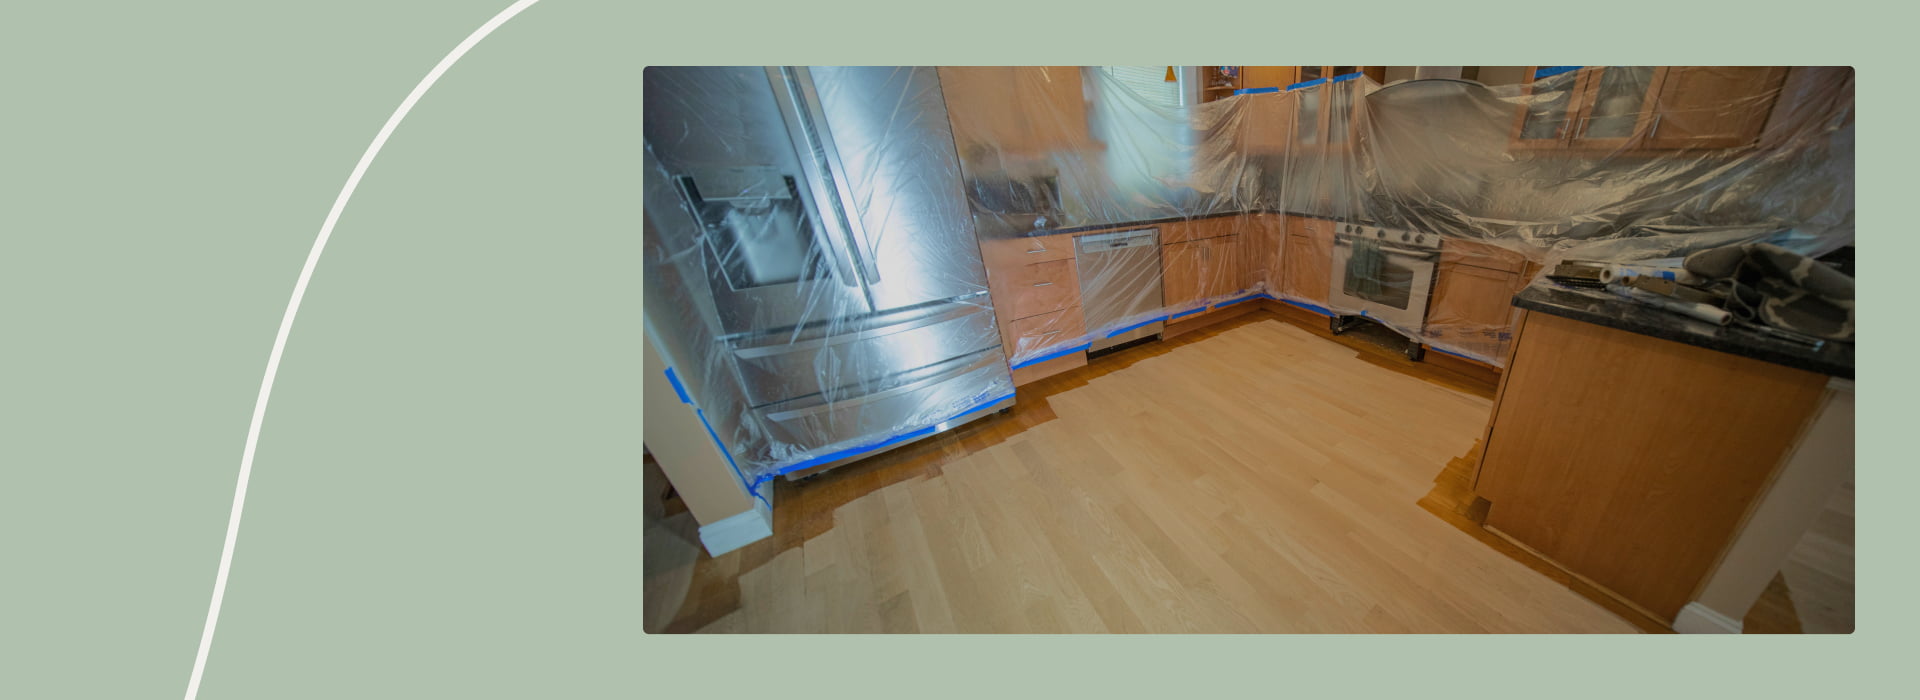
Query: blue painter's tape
[
  {"x": 1052, "y": 355},
  {"x": 1310, "y": 307},
  {"x": 1344, "y": 78},
  {"x": 1188, "y": 312},
  {"x": 1363, "y": 313},
  {"x": 1551, "y": 71},
  {"x": 1307, "y": 84},
  {"x": 1147, "y": 322},
  {"x": 1231, "y": 302},
  {"x": 1255, "y": 91},
  {"x": 895, "y": 440},
  {"x": 1668, "y": 275},
  {"x": 677, "y": 388}
]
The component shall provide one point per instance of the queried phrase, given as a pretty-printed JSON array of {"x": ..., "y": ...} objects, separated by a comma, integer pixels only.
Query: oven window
[{"x": 1395, "y": 287}]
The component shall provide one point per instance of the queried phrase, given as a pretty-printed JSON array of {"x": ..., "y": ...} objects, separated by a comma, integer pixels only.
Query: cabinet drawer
[
  {"x": 1007, "y": 254},
  {"x": 1462, "y": 252},
  {"x": 1033, "y": 334},
  {"x": 1038, "y": 289}
]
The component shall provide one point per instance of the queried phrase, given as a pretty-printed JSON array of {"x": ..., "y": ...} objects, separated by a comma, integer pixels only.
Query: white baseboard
[
  {"x": 738, "y": 530},
  {"x": 1700, "y": 619}
]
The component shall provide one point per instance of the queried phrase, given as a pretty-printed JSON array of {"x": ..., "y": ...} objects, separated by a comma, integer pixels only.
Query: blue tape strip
[
  {"x": 1189, "y": 312},
  {"x": 1052, "y": 355},
  {"x": 677, "y": 388},
  {"x": 1551, "y": 71},
  {"x": 1147, "y": 322},
  {"x": 1310, "y": 307},
  {"x": 1344, "y": 77},
  {"x": 897, "y": 439},
  {"x": 1307, "y": 84},
  {"x": 1255, "y": 91},
  {"x": 1247, "y": 298}
]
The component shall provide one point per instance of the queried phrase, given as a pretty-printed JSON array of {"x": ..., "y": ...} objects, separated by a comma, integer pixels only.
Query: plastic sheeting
[{"x": 913, "y": 193}]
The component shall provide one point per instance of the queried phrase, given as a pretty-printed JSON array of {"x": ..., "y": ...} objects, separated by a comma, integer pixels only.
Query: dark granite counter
[{"x": 1600, "y": 308}]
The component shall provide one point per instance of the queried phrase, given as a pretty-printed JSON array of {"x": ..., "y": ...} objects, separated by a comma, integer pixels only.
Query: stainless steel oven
[{"x": 1384, "y": 274}]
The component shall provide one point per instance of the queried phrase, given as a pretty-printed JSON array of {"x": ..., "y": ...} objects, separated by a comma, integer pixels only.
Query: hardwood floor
[{"x": 1247, "y": 477}]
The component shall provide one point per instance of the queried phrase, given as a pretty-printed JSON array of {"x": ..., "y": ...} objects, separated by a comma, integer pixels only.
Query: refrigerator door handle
[
  {"x": 821, "y": 206},
  {"x": 823, "y": 156}
]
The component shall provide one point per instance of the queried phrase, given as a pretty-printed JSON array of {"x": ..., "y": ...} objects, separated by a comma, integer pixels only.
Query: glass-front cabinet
[{"x": 1614, "y": 108}]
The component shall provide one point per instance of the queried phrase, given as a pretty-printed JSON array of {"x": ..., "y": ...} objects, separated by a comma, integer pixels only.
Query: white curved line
[{"x": 286, "y": 325}]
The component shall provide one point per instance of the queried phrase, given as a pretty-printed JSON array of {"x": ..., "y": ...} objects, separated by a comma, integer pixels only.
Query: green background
[{"x": 444, "y": 499}]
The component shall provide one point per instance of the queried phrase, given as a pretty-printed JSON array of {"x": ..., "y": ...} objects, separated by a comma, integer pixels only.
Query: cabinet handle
[
  {"x": 1042, "y": 250},
  {"x": 1044, "y": 284},
  {"x": 1655, "y": 126}
]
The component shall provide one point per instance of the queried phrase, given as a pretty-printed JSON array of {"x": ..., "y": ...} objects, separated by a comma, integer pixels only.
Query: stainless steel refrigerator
[{"x": 812, "y": 270}]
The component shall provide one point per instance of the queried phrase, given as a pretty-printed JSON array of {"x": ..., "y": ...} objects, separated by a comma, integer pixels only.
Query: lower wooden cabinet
[
  {"x": 1191, "y": 271},
  {"x": 1471, "y": 311},
  {"x": 1306, "y": 259}
]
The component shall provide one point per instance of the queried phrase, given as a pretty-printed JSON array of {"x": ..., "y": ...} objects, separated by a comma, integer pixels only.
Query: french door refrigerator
[{"x": 812, "y": 268}]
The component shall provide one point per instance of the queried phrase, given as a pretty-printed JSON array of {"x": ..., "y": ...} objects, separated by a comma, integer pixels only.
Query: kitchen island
[{"x": 1633, "y": 448}]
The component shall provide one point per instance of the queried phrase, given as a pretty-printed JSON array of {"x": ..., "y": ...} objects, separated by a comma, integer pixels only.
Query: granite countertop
[{"x": 1600, "y": 308}]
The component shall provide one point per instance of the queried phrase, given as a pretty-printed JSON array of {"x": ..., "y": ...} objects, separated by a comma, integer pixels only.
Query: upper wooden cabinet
[
  {"x": 1616, "y": 108},
  {"x": 1016, "y": 110},
  {"x": 1713, "y": 106}
]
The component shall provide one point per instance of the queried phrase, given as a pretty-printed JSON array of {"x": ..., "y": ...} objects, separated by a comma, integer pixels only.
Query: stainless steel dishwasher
[{"x": 1119, "y": 285}]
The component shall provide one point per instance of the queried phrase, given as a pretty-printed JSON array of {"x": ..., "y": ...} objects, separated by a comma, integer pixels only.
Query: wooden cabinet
[
  {"x": 1632, "y": 460},
  {"x": 1713, "y": 106},
  {"x": 1182, "y": 274},
  {"x": 1471, "y": 310},
  {"x": 1616, "y": 108},
  {"x": 1306, "y": 259},
  {"x": 1020, "y": 110},
  {"x": 1035, "y": 286},
  {"x": 1202, "y": 259}
]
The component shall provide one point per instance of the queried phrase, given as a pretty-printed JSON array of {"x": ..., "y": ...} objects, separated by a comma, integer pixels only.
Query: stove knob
[
  {"x": 1379, "y": 234},
  {"x": 1404, "y": 237}
]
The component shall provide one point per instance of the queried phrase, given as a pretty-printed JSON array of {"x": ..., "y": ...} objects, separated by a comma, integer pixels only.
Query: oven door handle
[{"x": 1402, "y": 252}]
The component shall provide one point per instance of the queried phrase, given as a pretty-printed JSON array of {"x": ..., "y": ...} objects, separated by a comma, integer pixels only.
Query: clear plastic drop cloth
[{"x": 841, "y": 259}]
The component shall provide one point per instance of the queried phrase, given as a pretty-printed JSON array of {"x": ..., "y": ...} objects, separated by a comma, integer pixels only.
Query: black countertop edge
[
  {"x": 1603, "y": 309},
  {"x": 1035, "y": 233}
]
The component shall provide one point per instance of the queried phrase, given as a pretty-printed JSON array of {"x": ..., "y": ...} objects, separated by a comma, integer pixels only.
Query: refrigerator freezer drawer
[
  {"x": 857, "y": 358},
  {"x": 933, "y": 395}
]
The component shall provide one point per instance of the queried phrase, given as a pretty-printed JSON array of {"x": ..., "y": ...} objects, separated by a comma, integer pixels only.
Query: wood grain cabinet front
[
  {"x": 1040, "y": 288},
  {"x": 1645, "y": 108},
  {"x": 1306, "y": 260}
]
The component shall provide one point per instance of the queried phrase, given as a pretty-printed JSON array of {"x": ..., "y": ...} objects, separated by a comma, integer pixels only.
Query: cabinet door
[
  {"x": 1055, "y": 107},
  {"x": 1713, "y": 106},
  {"x": 1471, "y": 311},
  {"x": 981, "y": 106},
  {"x": 1615, "y": 106},
  {"x": 1306, "y": 263},
  {"x": 1224, "y": 265},
  {"x": 1182, "y": 273},
  {"x": 1549, "y": 102},
  {"x": 1252, "y": 77}
]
